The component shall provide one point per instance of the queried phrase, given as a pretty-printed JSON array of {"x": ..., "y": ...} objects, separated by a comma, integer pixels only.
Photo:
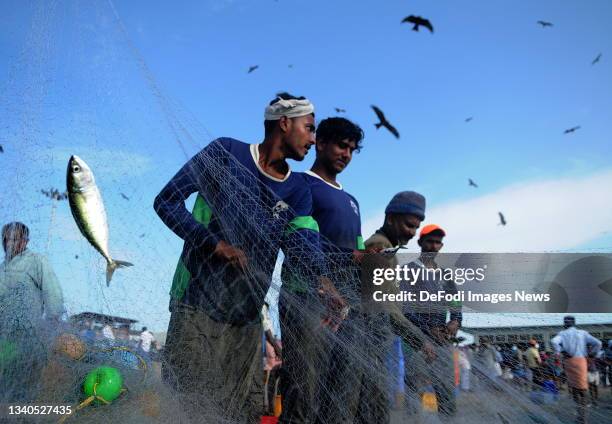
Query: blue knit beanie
[{"x": 407, "y": 202}]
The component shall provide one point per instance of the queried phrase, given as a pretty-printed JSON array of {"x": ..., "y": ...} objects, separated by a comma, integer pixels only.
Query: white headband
[{"x": 290, "y": 108}]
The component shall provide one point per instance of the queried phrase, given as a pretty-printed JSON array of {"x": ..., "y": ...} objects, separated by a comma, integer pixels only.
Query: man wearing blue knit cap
[
  {"x": 403, "y": 215},
  {"x": 357, "y": 385}
]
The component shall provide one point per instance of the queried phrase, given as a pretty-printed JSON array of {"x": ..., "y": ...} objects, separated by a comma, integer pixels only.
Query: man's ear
[
  {"x": 319, "y": 143},
  {"x": 285, "y": 123},
  {"x": 420, "y": 242}
]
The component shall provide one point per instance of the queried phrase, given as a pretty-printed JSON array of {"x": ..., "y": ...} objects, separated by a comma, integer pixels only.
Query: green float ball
[{"x": 103, "y": 383}]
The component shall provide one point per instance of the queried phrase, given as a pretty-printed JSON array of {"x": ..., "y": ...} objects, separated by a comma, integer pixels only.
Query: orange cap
[{"x": 430, "y": 229}]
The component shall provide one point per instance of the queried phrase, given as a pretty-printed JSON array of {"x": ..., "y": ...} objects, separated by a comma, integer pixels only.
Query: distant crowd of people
[{"x": 575, "y": 360}]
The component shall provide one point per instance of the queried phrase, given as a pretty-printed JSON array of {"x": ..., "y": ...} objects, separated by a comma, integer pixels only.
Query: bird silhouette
[
  {"x": 469, "y": 119},
  {"x": 54, "y": 194},
  {"x": 124, "y": 196},
  {"x": 1, "y": 149},
  {"x": 383, "y": 122},
  {"x": 596, "y": 59},
  {"x": 571, "y": 130},
  {"x": 472, "y": 183},
  {"x": 339, "y": 110},
  {"x": 545, "y": 24},
  {"x": 502, "y": 219},
  {"x": 252, "y": 68},
  {"x": 418, "y": 21}
]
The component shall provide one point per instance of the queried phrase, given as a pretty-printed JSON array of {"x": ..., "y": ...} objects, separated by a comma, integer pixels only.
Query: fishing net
[{"x": 135, "y": 137}]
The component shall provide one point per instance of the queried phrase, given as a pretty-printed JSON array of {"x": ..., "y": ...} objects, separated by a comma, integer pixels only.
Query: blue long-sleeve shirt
[{"x": 248, "y": 209}]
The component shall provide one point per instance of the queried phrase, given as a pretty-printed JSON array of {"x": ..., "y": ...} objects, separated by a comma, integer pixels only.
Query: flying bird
[
  {"x": 592, "y": 63},
  {"x": 472, "y": 183},
  {"x": 338, "y": 110},
  {"x": 545, "y": 24},
  {"x": 124, "y": 196},
  {"x": 469, "y": 119},
  {"x": 54, "y": 194},
  {"x": 502, "y": 219},
  {"x": 1, "y": 149},
  {"x": 384, "y": 123},
  {"x": 418, "y": 21},
  {"x": 252, "y": 68},
  {"x": 571, "y": 130}
]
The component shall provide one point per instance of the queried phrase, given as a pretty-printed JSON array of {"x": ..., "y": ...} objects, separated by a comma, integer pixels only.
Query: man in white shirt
[
  {"x": 146, "y": 338},
  {"x": 107, "y": 332},
  {"x": 31, "y": 307},
  {"x": 574, "y": 345}
]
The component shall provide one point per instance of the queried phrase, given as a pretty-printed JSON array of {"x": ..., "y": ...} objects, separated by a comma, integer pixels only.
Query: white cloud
[{"x": 542, "y": 216}]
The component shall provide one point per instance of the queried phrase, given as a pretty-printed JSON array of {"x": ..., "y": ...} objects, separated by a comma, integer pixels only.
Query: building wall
[{"x": 541, "y": 334}]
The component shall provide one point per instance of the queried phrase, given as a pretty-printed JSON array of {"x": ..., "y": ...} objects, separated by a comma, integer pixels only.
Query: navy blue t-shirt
[
  {"x": 250, "y": 210},
  {"x": 336, "y": 212},
  {"x": 337, "y": 215}
]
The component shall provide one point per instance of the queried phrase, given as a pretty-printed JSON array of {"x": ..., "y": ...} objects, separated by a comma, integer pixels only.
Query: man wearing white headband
[{"x": 213, "y": 348}]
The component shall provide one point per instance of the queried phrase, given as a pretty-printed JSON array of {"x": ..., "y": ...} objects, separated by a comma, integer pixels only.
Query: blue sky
[{"x": 134, "y": 107}]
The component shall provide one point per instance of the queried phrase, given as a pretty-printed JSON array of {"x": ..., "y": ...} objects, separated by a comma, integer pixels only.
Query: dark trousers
[
  {"x": 216, "y": 367},
  {"x": 306, "y": 346},
  {"x": 421, "y": 372},
  {"x": 579, "y": 396},
  {"x": 356, "y": 388}
]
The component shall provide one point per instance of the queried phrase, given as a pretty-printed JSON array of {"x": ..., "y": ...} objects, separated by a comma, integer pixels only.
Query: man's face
[
  {"x": 336, "y": 155},
  {"x": 431, "y": 243},
  {"x": 299, "y": 135},
  {"x": 404, "y": 226},
  {"x": 13, "y": 242}
]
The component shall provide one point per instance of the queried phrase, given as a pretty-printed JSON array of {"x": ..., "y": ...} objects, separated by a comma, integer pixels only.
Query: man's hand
[
  {"x": 452, "y": 327},
  {"x": 278, "y": 349},
  {"x": 336, "y": 305},
  {"x": 429, "y": 351},
  {"x": 359, "y": 254},
  {"x": 231, "y": 255}
]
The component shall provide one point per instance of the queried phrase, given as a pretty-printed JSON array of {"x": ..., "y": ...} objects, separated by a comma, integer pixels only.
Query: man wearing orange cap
[
  {"x": 432, "y": 320},
  {"x": 430, "y": 317}
]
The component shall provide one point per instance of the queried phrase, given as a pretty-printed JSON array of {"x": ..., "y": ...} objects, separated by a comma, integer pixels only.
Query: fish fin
[{"x": 112, "y": 266}]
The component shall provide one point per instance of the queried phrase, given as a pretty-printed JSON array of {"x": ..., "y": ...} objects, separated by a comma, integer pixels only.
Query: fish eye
[{"x": 76, "y": 168}]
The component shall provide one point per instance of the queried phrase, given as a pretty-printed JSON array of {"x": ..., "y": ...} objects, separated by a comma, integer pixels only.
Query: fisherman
[
  {"x": 573, "y": 345},
  {"x": 249, "y": 204},
  {"x": 306, "y": 345},
  {"x": 431, "y": 318},
  {"x": 357, "y": 385},
  {"x": 31, "y": 304},
  {"x": 146, "y": 339},
  {"x": 534, "y": 363}
]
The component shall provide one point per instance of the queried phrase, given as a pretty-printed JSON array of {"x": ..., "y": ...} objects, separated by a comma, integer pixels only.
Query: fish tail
[{"x": 112, "y": 266}]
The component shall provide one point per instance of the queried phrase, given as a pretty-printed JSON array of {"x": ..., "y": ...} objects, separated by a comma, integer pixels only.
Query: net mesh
[{"x": 373, "y": 368}]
